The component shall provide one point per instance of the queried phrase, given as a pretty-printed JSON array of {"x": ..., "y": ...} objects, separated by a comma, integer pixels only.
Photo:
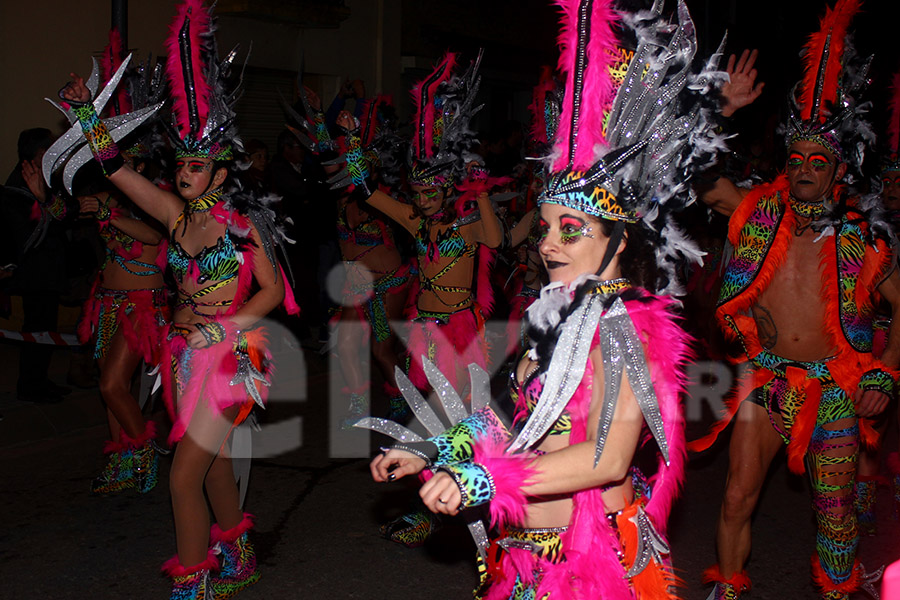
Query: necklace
[
  {"x": 810, "y": 210},
  {"x": 205, "y": 202}
]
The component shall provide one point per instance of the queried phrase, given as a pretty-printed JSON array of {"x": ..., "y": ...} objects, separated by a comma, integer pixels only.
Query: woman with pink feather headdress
[
  {"x": 222, "y": 256},
  {"x": 128, "y": 308},
  {"x": 455, "y": 229},
  {"x": 572, "y": 514}
]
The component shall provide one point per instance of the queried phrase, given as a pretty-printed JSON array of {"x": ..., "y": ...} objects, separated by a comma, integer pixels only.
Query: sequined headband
[
  {"x": 579, "y": 191},
  {"x": 829, "y": 141}
]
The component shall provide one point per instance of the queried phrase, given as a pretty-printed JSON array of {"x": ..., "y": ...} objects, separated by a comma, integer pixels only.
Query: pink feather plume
[
  {"x": 109, "y": 64},
  {"x": 511, "y": 473},
  {"x": 545, "y": 86},
  {"x": 198, "y": 29},
  {"x": 425, "y": 109},
  {"x": 598, "y": 91}
]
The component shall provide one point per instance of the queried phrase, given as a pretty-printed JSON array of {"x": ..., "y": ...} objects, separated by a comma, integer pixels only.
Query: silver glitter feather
[
  {"x": 651, "y": 545},
  {"x": 453, "y": 408},
  {"x": 71, "y": 149},
  {"x": 623, "y": 352},
  {"x": 565, "y": 372},
  {"x": 246, "y": 374}
]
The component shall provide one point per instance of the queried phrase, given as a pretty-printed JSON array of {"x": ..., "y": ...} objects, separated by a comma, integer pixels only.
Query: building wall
[{"x": 42, "y": 42}]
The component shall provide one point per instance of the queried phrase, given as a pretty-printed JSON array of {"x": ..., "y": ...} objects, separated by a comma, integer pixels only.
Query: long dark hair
[{"x": 637, "y": 262}]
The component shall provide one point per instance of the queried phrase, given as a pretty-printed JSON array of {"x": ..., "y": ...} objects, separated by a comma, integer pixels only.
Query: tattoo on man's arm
[{"x": 765, "y": 326}]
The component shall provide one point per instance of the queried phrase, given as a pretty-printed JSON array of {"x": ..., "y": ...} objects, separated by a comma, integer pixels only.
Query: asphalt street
[{"x": 317, "y": 509}]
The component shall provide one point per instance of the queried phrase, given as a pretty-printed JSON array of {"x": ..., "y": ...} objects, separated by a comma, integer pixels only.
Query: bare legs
[
  {"x": 200, "y": 463},
  {"x": 349, "y": 344},
  {"x": 754, "y": 444},
  {"x": 116, "y": 370}
]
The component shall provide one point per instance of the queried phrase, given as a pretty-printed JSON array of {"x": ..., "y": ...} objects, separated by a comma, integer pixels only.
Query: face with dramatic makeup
[
  {"x": 812, "y": 171},
  {"x": 572, "y": 243},
  {"x": 428, "y": 198},
  {"x": 194, "y": 176},
  {"x": 890, "y": 195}
]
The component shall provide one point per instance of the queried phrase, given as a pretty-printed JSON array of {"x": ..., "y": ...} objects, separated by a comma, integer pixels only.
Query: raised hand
[
  {"x": 75, "y": 90},
  {"x": 31, "y": 172},
  {"x": 742, "y": 89}
]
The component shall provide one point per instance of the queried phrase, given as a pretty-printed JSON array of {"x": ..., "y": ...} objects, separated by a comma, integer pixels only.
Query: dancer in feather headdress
[
  {"x": 377, "y": 277},
  {"x": 798, "y": 293},
  {"x": 523, "y": 237},
  {"x": 222, "y": 256},
  {"x": 599, "y": 390},
  {"x": 455, "y": 229},
  {"x": 128, "y": 308}
]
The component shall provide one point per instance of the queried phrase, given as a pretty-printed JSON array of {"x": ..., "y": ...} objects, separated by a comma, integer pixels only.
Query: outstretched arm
[
  {"x": 723, "y": 196},
  {"x": 519, "y": 233},
  {"x": 399, "y": 212},
  {"x": 159, "y": 204}
]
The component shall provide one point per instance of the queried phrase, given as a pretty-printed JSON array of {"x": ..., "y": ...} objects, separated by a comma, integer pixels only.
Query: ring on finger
[{"x": 442, "y": 501}]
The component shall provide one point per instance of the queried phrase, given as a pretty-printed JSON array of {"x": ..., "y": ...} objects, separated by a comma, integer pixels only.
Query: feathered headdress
[
  {"x": 140, "y": 87},
  {"x": 109, "y": 64},
  {"x": 635, "y": 124},
  {"x": 891, "y": 158},
  {"x": 823, "y": 104},
  {"x": 202, "y": 100},
  {"x": 442, "y": 142},
  {"x": 544, "y": 108}
]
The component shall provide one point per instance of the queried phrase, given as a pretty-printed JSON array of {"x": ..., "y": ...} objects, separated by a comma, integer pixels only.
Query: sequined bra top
[
  {"x": 370, "y": 232},
  {"x": 124, "y": 250},
  {"x": 216, "y": 265},
  {"x": 525, "y": 398},
  {"x": 449, "y": 243}
]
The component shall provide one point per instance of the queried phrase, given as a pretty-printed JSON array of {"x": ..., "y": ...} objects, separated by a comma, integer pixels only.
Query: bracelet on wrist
[{"x": 213, "y": 332}]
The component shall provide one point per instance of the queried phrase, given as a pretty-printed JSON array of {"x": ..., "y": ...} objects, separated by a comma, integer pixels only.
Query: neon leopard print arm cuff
[
  {"x": 357, "y": 165},
  {"x": 878, "y": 379},
  {"x": 103, "y": 147},
  {"x": 476, "y": 486},
  {"x": 456, "y": 444}
]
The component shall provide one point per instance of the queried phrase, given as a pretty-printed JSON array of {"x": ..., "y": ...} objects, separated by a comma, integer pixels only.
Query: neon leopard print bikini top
[
  {"x": 525, "y": 397},
  {"x": 219, "y": 264}
]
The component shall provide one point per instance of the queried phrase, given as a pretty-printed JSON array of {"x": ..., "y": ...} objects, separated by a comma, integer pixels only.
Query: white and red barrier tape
[{"x": 41, "y": 337}]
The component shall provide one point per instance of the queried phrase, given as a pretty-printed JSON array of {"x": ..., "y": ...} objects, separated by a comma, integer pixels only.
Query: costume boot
[
  {"x": 239, "y": 568},
  {"x": 399, "y": 409},
  {"x": 411, "y": 529},
  {"x": 359, "y": 406},
  {"x": 191, "y": 583},
  {"x": 893, "y": 463},
  {"x": 132, "y": 463},
  {"x": 726, "y": 589},
  {"x": 858, "y": 581},
  {"x": 864, "y": 503}
]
